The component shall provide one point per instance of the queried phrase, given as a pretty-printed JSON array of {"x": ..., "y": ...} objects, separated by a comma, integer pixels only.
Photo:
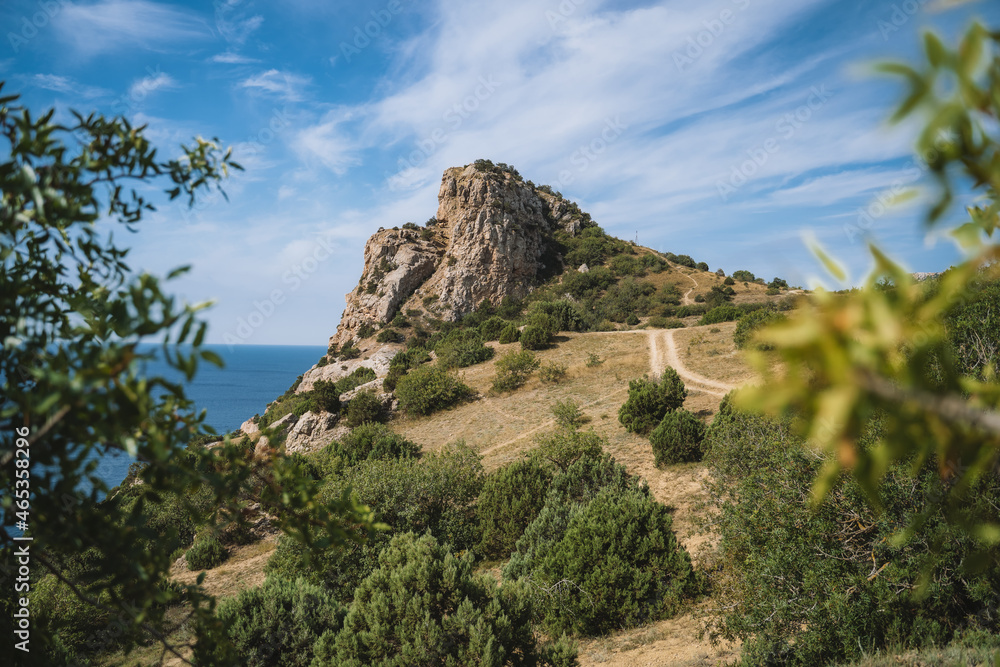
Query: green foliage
[
  {"x": 702, "y": 266},
  {"x": 565, "y": 446},
  {"x": 543, "y": 321},
  {"x": 728, "y": 281},
  {"x": 364, "y": 407},
  {"x": 743, "y": 276},
  {"x": 492, "y": 328},
  {"x": 534, "y": 337},
  {"x": 435, "y": 493},
  {"x": 669, "y": 294},
  {"x": 566, "y": 315},
  {"x": 587, "y": 285},
  {"x": 552, "y": 372},
  {"x": 658, "y": 322},
  {"x": 877, "y": 591},
  {"x": 75, "y": 382},
  {"x": 422, "y": 606},
  {"x": 626, "y": 265},
  {"x": 402, "y": 363},
  {"x": 689, "y": 311},
  {"x": 748, "y": 324},
  {"x": 625, "y": 298},
  {"x": 365, "y": 331},
  {"x": 778, "y": 283},
  {"x": 349, "y": 350},
  {"x": 510, "y": 500},
  {"x": 601, "y": 554},
  {"x": 279, "y": 622},
  {"x": 772, "y": 291},
  {"x": 513, "y": 370},
  {"x": 632, "y": 320},
  {"x": 428, "y": 389},
  {"x": 974, "y": 329},
  {"x": 591, "y": 247},
  {"x": 510, "y": 334},
  {"x": 461, "y": 348},
  {"x": 678, "y": 438},
  {"x": 509, "y": 308},
  {"x": 389, "y": 335},
  {"x": 593, "y": 360},
  {"x": 372, "y": 441},
  {"x": 649, "y": 401},
  {"x": 205, "y": 553}
]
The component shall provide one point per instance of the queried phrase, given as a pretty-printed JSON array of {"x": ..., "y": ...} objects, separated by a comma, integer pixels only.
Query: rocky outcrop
[
  {"x": 378, "y": 361},
  {"x": 491, "y": 238},
  {"x": 313, "y": 432}
]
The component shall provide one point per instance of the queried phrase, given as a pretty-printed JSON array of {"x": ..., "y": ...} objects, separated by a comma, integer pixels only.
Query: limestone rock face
[
  {"x": 491, "y": 238},
  {"x": 312, "y": 432},
  {"x": 378, "y": 361}
]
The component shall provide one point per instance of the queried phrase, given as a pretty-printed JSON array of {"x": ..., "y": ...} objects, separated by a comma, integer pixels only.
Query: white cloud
[
  {"x": 119, "y": 25},
  {"x": 327, "y": 143},
  {"x": 233, "y": 24},
  {"x": 140, "y": 88},
  {"x": 231, "y": 58},
  {"x": 66, "y": 85},
  {"x": 285, "y": 85}
]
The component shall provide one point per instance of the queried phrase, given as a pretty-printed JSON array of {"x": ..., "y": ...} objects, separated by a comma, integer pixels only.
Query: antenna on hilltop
[{"x": 637, "y": 237}]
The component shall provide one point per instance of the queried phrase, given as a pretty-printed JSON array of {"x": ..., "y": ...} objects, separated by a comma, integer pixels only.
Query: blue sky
[{"x": 724, "y": 129}]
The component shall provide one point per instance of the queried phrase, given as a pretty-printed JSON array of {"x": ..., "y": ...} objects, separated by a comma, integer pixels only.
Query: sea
[{"x": 253, "y": 376}]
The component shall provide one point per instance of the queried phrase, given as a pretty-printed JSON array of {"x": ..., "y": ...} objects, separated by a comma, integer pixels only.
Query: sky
[{"x": 728, "y": 130}]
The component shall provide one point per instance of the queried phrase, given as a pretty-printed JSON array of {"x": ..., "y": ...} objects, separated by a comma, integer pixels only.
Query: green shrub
[
  {"x": 743, "y": 276},
  {"x": 427, "y": 389},
  {"x": 513, "y": 370},
  {"x": 750, "y": 323},
  {"x": 205, "y": 553},
  {"x": 625, "y": 298},
  {"x": 626, "y": 265},
  {"x": 702, "y": 266},
  {"x": 649, "y": 401},
  {"x": 658, "y": 322},
  {"x": 535, "y": 338},
  {"x": 552, "y": 372},
  {"x": 492, "y": 328},
  {"x": 461, "y": 348},
  {"x": 616, "y": 564},
  {"x": 772, "y": 291},
  {"x": 365, "y": 331},
  {"x": 632, "y": 320},
  {"x": 699, "y": 298},
  {"x": 510, "y": 334},
  {"x": 423, "y": 606},
  {"x": 565, "y": 446},
  {"x": 587, "y": 285},
  {"x": 726, "y": 313},
  {"x": 436, "y": 493},
  {"x": 688, "y": 311},
  {"x": 974, "y": 329},
  {"x": 279, "y": 622},
  {"x": 389, "y": 335},
  {"x": 728, "y": 281},
  {"x": 400, "y": 321},
  {"x": 593, "y": 360},
  {"x": 678, "y": 438},
  {"x": 510, "y": 500},
  {"x": 877, "y": 592},
  {"x": 364, "y": 407},
  {"x": 568, "y": 414},
  {"x": 372, "y": 441},
  {"x": 566, "y": 315}
]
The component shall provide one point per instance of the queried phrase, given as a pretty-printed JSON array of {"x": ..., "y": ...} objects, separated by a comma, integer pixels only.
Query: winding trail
[
  {"x": 662, "y": 353},
  {"x": 686, "y": 300}
]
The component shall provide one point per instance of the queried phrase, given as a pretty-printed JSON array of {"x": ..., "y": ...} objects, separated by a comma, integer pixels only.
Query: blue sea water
[{"x": 254, "y": 375}]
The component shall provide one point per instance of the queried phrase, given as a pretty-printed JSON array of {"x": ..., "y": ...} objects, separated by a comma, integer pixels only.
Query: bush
[
  {"x": 389, "y": 336},
  {"x": 699, "y": 298},
  {"x": 205, "y": 553},
  {"x": 423, "y": 606},
  {"x": 513, "y": 370},
  {"x": 568, "y": 414},
  {"x": 616, "y": 564},
  {"x": 688, "y": 311},
  {"x": 587, "y": 285},
  {"x": 726, "y": 313},
  {"x": 535, "y": 338},
  {"x": 365, "y": 407},
  {"x": 552, "y": 372},
  {"x": 593, "y": 360},
  {"x": 658, "y": 322},
  {"x": 649, "y": 401},
  {"x": 510, "y": 334},
  {"x": 632, "y": 320},
  {"x": 349, "y": 351},
  {"x": 372, "y": 441},
  {"x": 743, "y": 276},
  {"x": 435, "y": 493},
  {"x": 492, "y": 328},
  {"x": 750, "y": 323},
  {"x": 626, "y": 265},
  {"x": 628, "y": 297},
  {"x": 728, "y": 281},
  {"x": 510, "y": 500},
  {"x": 565, "y": 446},
  {"x": 279, "y": 622},
  {"x": 427, "y": 389},
  {"x": 777, "y": 548},
  {"x": 772, "y": 291},
  {"x": 566, "y": 315},
  {"x": 678, "y": 438},
  {"x": 461, "y": 348}
]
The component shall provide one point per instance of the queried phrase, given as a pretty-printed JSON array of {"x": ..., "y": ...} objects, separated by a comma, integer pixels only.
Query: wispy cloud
[
  {"x": 117, "y": 25},
  {"x": 230, "y": 58},
  {"x": 152, "y": 83},
  {"x": 285, "y": 85},
  {"x": 234, "y": 24},
  {"x": 66, "y": 85}
]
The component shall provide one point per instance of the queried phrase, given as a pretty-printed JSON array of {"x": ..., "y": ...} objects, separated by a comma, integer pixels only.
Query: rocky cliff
[{"x": 491, "y": 238}]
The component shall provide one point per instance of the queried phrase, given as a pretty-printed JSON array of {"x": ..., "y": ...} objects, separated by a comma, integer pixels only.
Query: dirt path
[
  {"x": 666, "y": 355},
  {"x": 686, "y": 300}
]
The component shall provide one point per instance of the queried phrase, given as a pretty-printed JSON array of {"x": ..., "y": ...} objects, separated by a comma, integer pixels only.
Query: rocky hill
[{"x": 491, "y": 238}]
